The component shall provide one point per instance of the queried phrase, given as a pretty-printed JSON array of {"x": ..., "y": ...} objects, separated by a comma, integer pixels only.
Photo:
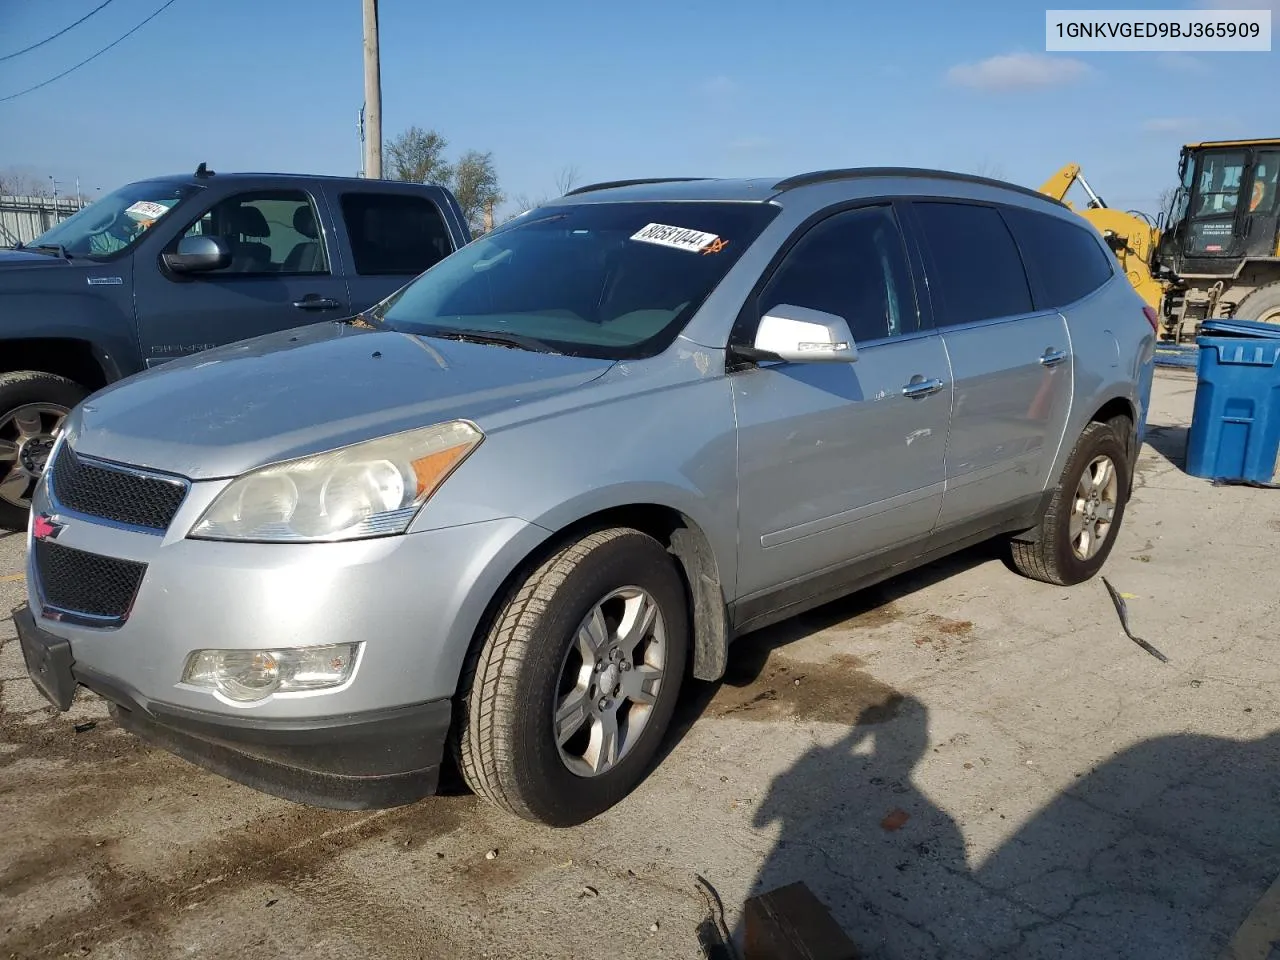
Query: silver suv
[{"x": 509, "y": 509}]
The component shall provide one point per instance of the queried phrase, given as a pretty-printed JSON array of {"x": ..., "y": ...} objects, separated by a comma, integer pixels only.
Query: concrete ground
[{"x": 960, "y": 763}]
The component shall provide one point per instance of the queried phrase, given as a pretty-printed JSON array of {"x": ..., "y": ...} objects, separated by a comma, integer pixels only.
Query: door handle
[
  {"x": 313, "y": 302},
  {"x": 1052, "y": 357},
  {"x": 919, "y": 387}
]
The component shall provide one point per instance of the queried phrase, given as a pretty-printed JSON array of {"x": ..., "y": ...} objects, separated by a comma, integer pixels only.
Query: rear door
[
  {"x": 281, "y": 276},
  {"x": 1010, "y": 361},
  {"x": 390, "y": 235},
  {"x": 840, "y": 461}
]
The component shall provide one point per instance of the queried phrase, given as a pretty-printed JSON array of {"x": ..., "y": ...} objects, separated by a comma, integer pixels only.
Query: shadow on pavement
[
  {"x": 749, "y": 655},
  {"x": 1170, "y": 441},
  {"x": 1161, "y": 851}
]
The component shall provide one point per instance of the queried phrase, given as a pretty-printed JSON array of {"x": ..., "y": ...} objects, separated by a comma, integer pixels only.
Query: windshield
[
  {"x": 611, "y": 280},
  {"x": 115, "y": 223}
]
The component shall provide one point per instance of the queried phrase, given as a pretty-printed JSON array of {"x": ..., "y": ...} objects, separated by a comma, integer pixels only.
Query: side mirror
[
  {"x": 800, "y": 335},
  {"x": 199, "y": 254}
]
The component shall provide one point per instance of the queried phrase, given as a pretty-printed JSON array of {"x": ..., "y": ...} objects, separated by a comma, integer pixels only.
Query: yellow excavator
[{"x": 1214, "y": 251}]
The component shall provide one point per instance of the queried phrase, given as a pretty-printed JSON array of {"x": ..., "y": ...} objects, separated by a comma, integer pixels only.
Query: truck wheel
[
  {"x": 1083, "y": 518},
  {"x": 1263, "y": 304},
  {"x": 32, "y": 408},
  {"x": 564, "y": 706}
]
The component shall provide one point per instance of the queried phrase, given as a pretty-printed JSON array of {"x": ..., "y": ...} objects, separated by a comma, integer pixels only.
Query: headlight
[
  {"x": 247, "y": 675},
  {"x": 368, "y": 489}
]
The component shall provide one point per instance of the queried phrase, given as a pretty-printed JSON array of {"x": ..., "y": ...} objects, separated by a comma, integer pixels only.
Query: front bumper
[{"x": 369, "y": 760}]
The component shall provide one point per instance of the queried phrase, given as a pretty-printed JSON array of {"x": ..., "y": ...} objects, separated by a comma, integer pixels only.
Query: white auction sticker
[
  {"x": 679, "y": 238},
  {"x": 147, "y": 210}
]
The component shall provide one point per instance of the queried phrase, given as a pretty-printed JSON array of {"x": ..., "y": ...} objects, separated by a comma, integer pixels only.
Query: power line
[
  {"x": 10, "y": 56},
  {"x": 14, "y": 96}
]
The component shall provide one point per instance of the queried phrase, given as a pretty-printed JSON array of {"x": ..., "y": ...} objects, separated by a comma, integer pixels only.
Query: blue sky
[{"x": 617, "y": 90}]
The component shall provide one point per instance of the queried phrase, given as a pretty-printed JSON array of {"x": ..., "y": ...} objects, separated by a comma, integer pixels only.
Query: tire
[
  {"x": 1263, "y": 304},
  {"x": 42, "y": 395},
  {"x": 504, "y": 725},
  {"x": 1052, "y": 557}
]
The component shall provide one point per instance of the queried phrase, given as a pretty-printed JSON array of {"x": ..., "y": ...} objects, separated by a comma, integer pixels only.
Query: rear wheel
[
  {"x": 1080, "y": 525},
  {"x": 565, "y": 703},
  {"x": 1263, "y": 304},
  {"x": 32, "y": 408}
]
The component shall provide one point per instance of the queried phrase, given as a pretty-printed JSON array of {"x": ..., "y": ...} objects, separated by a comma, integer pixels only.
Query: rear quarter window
[
  {"x": 1066, "y": 261},
  {"x": 394, "y": 234},
  {"x": 975, "y": 271}
]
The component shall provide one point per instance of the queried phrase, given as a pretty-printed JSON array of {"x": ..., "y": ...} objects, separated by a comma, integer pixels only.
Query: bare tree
[
  {"x": 989, "y": 168},
  {"x": 417, "y": 156},
  {"x": 566, "y": 179},
  {"x": 19, "y": 183},
  {"x": 1166, "y": 197},
  {"x": 475, "y": 184}
]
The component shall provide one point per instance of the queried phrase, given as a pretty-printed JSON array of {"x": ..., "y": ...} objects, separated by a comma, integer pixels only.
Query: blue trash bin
[{"x": 1235, "y": 429}]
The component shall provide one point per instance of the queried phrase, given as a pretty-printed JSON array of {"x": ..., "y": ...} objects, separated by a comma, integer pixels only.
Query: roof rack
[
  {"x": 609, "y": 184},
  {"x": 857, "y": 173}
]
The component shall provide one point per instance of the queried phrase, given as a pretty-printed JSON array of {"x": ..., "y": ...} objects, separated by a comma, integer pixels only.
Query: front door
[
  {"x": 1011, "y": 363},
  {"x": 839, "y": 461},
  {"x": 281, "y": 275},
  {"x": 1262, "y": 211}
]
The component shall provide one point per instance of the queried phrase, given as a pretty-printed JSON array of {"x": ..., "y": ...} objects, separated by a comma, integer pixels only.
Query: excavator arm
[{"x": 1130, "y": 237}]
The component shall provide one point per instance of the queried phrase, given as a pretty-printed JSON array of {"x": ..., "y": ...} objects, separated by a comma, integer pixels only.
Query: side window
[
  {"x": 853, "y": 265},
  {"x": 269, "y": 232},
  {"x": 394, "y": 233},
  {"x": 1067, "y": 261},
  {"x": 976, "y": 271},
  {"x": 1263, "y": 197}
]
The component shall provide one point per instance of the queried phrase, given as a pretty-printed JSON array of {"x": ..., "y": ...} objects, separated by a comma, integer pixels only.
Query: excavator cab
[{"x": 1226, "y": 208}]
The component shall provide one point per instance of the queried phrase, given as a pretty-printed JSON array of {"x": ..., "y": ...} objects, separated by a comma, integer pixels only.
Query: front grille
[
  {"x": 117, "y": 494},
  {"x": 80, "y": 582}
]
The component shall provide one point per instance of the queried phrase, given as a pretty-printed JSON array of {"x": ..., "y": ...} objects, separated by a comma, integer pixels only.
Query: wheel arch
[
  {"x": 80, "y": 361},
  {"x": 680, "y": 534}
]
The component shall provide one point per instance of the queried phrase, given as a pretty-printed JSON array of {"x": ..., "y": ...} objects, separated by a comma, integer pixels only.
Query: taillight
[{"x": 1152, "y": 319}]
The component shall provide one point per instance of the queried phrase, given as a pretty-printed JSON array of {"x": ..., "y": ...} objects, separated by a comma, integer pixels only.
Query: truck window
[
  {"x": 394, "y": 233},
  {"x": 1263, "y": 198},
  {"x": 1220, "y": 175},
  {"x": 269, "y": 232}
]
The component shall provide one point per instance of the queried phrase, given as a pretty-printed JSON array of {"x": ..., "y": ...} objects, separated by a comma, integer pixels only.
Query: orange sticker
[{"x": 715, "y": 246}]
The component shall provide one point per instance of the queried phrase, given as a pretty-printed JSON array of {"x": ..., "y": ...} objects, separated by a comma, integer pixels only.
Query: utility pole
[{"x": 372, "y": 93}]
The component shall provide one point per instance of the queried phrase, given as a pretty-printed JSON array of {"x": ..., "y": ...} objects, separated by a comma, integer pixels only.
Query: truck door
[
  {"x": 1215, "y": 217},
  {"x": 281, "y": 275},
  {"x": 390, "y": 236}
]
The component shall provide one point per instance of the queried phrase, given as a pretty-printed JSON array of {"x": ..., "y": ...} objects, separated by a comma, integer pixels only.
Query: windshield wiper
[
  {"x": 55, "y": 248},
  {"x": 517, "y": 340}
]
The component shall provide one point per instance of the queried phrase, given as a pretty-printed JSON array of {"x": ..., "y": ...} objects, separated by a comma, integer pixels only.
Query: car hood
[
  {"x": 219, "y": 413},
  {"x": 19, "y": 259}
]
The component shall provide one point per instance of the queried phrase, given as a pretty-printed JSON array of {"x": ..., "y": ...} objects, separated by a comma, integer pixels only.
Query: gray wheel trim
[
  {"x": 1094, "y": 508},
  {"x": 26, "y": 434},
  {"x": 614, "y": 690}
]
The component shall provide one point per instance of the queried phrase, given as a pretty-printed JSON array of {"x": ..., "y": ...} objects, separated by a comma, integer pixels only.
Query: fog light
[{"x": 253, "y": 674}]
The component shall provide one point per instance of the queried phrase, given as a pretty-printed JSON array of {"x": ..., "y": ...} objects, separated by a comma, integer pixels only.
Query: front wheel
[
  {"x": 565, "y": 704},
  {"x": 32, "y": 407},
  {"x": 1083, "y": 518}
]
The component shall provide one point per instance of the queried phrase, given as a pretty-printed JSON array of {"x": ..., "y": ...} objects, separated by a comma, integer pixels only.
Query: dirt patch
[
  {"x": 879, "y": 616},
  {"x": 837, "y": 691},
  {"x": 287, "y": 850},
  {"x": 940, "y": 632}
]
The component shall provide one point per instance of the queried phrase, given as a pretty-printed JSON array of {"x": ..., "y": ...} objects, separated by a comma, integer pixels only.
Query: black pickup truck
[{"x": 167, "y": 267}]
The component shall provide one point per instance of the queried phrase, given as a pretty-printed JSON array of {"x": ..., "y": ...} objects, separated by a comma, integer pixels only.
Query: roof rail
[
  {"x": 857, "y": 173},
  {"x": 609, "y": 184}
]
